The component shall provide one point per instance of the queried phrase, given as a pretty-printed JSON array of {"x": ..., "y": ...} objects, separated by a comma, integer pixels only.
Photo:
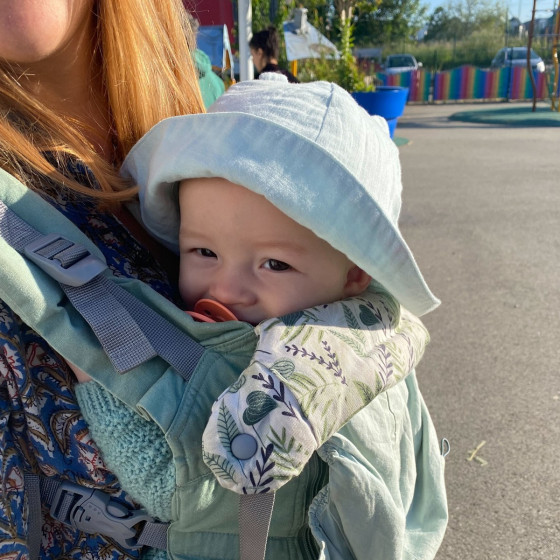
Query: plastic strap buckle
[
  {"x": 93, "y": 511},
  {"x": 67, "y": 262}
]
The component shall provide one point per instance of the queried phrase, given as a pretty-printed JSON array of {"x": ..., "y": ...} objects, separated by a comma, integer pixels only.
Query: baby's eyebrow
[
  {"x": 187, "y": 229},
  {"x": 274, "y": 245}
]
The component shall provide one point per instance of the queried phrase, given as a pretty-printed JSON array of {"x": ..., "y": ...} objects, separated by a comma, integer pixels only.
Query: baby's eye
[
  {"x": 276, "y": 266},
  {"x": 206, "y": 253}
]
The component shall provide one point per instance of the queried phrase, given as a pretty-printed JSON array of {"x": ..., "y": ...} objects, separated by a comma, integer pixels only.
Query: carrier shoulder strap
[
  {"x": 130, "y": 332},
  {"x": 135, "y": 333}
]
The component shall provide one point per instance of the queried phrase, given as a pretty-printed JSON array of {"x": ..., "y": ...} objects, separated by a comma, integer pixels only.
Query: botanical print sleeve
[{"x": 312, "y": 371}]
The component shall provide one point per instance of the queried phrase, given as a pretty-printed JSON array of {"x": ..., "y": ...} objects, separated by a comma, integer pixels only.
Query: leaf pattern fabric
[{"x": 312, "y": 371}]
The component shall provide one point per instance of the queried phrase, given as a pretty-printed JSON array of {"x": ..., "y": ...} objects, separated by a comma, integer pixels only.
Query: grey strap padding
[
  {"x": 154, "y": 535},
  {"x": 124, "y": 342},
  {"x": 130, "y": 332},
  {"x": 255, "y": 511},
  {"x": 15, "y": 231},
  {"x": 34, "y": 517}
]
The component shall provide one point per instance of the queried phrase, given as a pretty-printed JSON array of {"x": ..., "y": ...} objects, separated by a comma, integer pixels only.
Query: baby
[{"x": 282, "y": 203}]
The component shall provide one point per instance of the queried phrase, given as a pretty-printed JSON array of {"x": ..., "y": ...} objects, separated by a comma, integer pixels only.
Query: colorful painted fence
[
  {"x": 418, "y": 83},
  {"x": 468, "y": 82}
]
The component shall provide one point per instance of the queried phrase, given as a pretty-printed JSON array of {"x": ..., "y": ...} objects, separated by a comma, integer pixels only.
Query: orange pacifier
[{"x": 211, "y": 311}]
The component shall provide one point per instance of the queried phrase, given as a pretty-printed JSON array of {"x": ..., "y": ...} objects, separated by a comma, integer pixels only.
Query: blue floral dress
[{"x": 41, "y": 428}]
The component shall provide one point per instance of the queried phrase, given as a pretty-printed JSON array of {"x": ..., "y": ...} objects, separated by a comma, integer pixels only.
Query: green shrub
[
  {"x": 478, "y": 49},
  {"x": 343, "y": 71}
]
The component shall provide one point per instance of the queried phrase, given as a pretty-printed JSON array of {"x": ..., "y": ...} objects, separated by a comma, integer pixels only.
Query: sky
[{"x": 517, "y": 8}]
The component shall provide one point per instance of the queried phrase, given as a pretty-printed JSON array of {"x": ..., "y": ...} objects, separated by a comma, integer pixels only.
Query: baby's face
[{"x": 239, "y": 249}]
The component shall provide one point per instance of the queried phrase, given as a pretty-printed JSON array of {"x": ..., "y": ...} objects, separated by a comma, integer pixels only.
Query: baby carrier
[{"x": 366, "y": 494}]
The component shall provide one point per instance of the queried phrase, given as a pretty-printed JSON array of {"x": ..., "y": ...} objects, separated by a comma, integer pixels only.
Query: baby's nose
[{"x": 232, "y": 286}]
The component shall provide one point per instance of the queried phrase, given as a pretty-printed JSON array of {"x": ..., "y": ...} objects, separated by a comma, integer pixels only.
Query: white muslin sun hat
[{"x": 311, "y": 150}]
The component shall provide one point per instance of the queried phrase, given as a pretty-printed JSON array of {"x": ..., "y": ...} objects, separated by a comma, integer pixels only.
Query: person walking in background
[
  {"x": 80, "y": 82},
  {"x": 265, "y": 49},
  {"x": 211, "y": 85}
]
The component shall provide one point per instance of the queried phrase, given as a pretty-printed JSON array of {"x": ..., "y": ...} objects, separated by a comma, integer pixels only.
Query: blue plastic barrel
[{"x": 386, "y": 101}]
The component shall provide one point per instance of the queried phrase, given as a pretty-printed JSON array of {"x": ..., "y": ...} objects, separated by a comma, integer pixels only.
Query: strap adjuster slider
[{"x": 67, "y": 262}]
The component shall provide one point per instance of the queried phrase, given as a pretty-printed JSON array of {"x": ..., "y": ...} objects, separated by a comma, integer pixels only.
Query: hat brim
[{"x": 300, "y": 178}]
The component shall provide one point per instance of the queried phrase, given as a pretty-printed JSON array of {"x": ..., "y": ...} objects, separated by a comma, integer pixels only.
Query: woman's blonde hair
[{"x": 142, "y": 50}]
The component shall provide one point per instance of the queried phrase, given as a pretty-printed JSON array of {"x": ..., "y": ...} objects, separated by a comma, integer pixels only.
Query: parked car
[
  {"x": 396, "y": 63},
  {"x": 517, "y": 56}
]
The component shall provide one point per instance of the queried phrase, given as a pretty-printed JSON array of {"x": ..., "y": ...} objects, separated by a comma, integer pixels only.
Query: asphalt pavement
[{"x": 481, "y": 212}]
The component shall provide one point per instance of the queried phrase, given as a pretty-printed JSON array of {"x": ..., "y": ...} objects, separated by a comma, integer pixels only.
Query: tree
[
  {"x": 374, "y": 21},
  {"x": 462, "y": 18},
  {"x": 350, "y": 23},
  {"x": 265, "y": 13},
  {"x": 442, "y": 26},
  {"x": 390, "y": 20}
]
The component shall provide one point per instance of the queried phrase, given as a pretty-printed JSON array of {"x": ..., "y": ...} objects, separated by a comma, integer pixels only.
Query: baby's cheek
[
  {"x": 187, "y": 288},
  {"x": 288, "y": 300}
]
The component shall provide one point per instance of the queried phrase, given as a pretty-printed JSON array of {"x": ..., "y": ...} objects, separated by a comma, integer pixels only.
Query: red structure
[{"x": 212, "y": 12}]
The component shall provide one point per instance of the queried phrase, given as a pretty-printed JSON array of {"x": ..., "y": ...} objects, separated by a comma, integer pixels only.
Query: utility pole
[
  {"x": 245, "y": 24},
  {"x": 529, "y": 45},
  {"x": 555, "y": 41},
  {"x": 506, "y": 29}
]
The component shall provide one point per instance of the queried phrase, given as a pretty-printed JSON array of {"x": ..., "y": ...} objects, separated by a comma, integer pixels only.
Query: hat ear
[{"x": 356, "y": 281}]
